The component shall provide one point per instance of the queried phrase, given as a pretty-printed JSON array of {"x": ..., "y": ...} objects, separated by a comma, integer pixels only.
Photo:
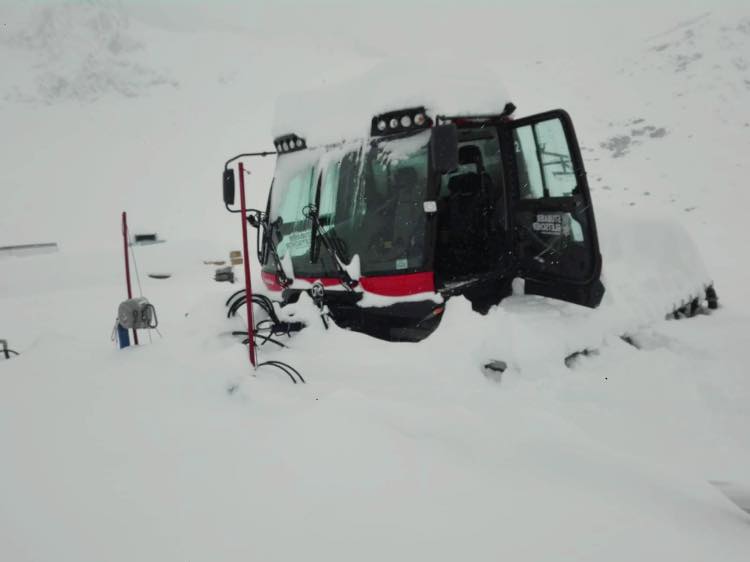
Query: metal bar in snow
[{"x": 44, "y": 245}]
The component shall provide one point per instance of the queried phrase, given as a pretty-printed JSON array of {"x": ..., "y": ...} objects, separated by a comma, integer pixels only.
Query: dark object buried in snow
[
  {"x": 146, "y": 239},
  {"x": 29, "y": 249},
  {"x": 5, "y": 351},
  {"x": 224, "y": 274},
  {"x": 494, "y": 370}
]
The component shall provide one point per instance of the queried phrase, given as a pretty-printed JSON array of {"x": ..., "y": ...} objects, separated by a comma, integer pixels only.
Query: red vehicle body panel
[{"x": 384, "y": 285}]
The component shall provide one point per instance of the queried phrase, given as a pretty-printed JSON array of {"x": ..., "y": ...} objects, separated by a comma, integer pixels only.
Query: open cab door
[{"x": 553, "y": 229}]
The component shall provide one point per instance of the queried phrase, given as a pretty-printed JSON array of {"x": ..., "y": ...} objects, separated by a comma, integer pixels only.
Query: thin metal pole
[
  {"x": 127, "y": 264},
  {"x": 246, "y": 263}
]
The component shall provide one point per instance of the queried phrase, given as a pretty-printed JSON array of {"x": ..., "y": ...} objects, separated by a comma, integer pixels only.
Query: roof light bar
[
  {"x": 505, "y": 115},
  {"x": 289, "y": 143},
  {"x": 400, "y": 121}
]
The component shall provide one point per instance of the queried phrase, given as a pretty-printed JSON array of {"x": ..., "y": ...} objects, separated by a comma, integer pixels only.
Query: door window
[{"x": 545, "y": 167}]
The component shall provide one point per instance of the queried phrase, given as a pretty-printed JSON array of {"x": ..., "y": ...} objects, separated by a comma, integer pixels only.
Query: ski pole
[
  {"x": 246, "y": 263},
  {"x": 127, "y": 264}
]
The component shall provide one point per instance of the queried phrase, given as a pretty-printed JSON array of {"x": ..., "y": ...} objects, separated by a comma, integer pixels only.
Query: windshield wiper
[
  {"x": 330, "y": 243},
  {"x": 257, "y": 219}
]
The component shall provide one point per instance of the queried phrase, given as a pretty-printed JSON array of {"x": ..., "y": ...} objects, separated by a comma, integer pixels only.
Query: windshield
[{"x": 371, "y": 205}]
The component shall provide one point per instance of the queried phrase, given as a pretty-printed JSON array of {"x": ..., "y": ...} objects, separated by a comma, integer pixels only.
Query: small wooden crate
[{"x": 235, "y": 257}]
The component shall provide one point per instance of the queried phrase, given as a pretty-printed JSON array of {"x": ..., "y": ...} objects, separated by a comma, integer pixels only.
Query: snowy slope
[{"x": 391, "y": 451}]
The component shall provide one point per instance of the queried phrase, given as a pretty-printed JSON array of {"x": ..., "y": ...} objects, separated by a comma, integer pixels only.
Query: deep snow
[{"x": 391, "y": 451}]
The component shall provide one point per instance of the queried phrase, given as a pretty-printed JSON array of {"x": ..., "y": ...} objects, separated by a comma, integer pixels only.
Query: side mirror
[
  {"x": 444, "y": 148},
  {"x": 228, "y": 183}
]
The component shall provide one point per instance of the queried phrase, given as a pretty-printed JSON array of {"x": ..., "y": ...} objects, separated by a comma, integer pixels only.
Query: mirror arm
[
  {"x": 254, "y": 218},
  {"x": 248, "y": 155},
  {"x": 244, "y": 155}
]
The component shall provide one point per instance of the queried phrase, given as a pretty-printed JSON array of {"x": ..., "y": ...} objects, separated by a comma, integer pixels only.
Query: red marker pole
[
  {"x": 246, "y": 263},
  {"x": 127, "y": 263}
]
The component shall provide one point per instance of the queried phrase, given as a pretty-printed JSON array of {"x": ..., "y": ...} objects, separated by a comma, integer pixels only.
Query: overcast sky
[{"x": 390, "y": 24}]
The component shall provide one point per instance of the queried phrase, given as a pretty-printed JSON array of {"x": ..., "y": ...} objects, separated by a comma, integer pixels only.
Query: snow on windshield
[
  {"x": 345, "y": 110},
  {"x": 400, "y": 149},
  {"x": 294, "y": 173}
]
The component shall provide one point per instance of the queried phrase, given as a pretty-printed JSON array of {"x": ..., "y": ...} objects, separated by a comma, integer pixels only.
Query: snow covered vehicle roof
[{"x": 343, "y": 111}]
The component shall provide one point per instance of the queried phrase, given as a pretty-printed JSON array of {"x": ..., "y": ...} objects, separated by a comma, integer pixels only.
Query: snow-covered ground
[{"x": 174, "y": 451}]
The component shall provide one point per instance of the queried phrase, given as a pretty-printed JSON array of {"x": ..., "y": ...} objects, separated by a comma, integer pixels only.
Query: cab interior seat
[{"x": 463, "y": 217}]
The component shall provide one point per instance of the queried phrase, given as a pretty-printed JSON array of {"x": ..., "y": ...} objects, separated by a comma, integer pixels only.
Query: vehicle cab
[{"x": 385, "y": 228}]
